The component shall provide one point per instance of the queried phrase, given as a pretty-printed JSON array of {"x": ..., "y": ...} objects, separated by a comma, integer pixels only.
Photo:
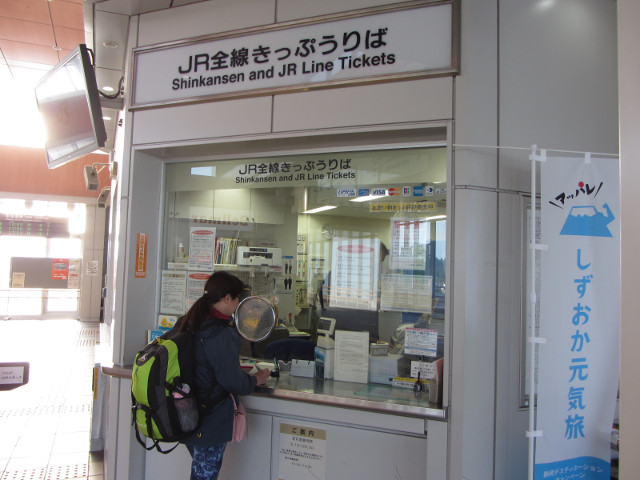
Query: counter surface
[{"x": 371, "y": 396}]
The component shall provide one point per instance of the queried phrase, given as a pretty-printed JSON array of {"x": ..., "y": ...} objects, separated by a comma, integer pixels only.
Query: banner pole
[{"x": 532, "y": 314}]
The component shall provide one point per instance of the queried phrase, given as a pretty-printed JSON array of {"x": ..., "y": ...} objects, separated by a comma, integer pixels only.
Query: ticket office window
[{"x": 356, "y": 236}]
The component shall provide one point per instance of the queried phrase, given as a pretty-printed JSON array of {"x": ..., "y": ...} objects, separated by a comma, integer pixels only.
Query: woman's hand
[{"x": 262, "y": 375}]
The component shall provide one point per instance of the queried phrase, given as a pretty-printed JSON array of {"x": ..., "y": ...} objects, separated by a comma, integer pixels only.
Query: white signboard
[
  {"x": 409, "y": 42},
  {"x": 324, "y": 170},
  {"x": 579, "y": 318},
  {"x": 12, "y": 374},
  {"x": 302, "y": 453}
]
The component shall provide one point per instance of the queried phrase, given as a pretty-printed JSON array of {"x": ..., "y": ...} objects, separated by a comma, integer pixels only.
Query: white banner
[{"x": 579, "y": 318}]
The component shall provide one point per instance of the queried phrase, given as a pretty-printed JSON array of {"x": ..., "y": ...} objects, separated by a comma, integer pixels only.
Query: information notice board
[{"x": 54, "y": 273}]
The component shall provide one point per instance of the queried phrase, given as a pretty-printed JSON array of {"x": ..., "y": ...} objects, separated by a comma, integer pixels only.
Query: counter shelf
[
  {"x": 364, "y": 396},
  {"x": 372, "y": 397}
]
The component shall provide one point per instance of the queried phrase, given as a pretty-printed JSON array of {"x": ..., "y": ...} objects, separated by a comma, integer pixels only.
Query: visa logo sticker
[
  {"x": 406, "y": 191},
  {"x": 363, "y": 192},
  {"x": 379, "y": 191},
  {"x": 347, "y": 192}
]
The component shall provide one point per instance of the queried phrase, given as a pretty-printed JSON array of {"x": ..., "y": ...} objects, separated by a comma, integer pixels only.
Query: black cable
[
  {"x": 93, "y": 64},
  {"x": 115, "y": 95}
]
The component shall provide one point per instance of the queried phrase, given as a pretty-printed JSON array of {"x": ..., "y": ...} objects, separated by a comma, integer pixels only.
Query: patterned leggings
[{"x": 206, "y": 461}]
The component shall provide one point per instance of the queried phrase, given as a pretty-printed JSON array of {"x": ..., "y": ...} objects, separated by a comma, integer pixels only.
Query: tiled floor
[{"x": 45, "y": 425}]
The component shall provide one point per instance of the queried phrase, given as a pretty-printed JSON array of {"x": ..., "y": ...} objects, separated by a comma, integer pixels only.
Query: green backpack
[{"x": 164, "y": 406}]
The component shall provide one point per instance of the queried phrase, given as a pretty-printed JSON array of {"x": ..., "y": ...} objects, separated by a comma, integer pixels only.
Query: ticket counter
[{"x": 303, "y": 426}]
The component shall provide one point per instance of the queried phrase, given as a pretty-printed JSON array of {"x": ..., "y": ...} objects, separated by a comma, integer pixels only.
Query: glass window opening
[
  {"x": 38, "y": 229},
  {"x": 355, "y": 236}
]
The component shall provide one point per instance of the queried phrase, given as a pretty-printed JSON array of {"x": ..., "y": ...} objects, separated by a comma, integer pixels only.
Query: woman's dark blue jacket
[{"x": 217, "y": 358}]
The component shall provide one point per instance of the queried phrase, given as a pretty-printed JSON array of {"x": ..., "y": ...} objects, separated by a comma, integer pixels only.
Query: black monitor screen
[{"x": 68, "y": 100}]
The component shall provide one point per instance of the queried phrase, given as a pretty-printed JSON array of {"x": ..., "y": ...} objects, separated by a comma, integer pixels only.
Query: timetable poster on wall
[
  {"x": 408, "y": 244},
  {"x": 355, "y": 264}
]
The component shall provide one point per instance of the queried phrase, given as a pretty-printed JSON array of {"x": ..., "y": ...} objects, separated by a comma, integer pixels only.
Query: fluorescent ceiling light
[
  {"x": 321, "y": 209},
  {"x": 366, "y": 198},
  {"x": 435, "y": 217}
]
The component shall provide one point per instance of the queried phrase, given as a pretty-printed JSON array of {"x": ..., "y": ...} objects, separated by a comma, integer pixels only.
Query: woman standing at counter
[{"x": 217, "y": 372}]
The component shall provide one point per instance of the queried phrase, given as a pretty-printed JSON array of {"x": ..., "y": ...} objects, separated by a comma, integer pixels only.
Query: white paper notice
[
  {"x": 302, "y": 453},
  {"x": 427, "y": 370},
  {"x": 202, "y": 243},
  {"x": 75, "y": 267},
  {"x": 406, "y": 293},
  {"x": 420, "y": 341},
  {"x": 93, "y": 268},
  {"x": 174, "y": 291},
  {"x": 195, "y": 287},
  {"x": 17, "y": 279},
  {"x": 352, "y": 356}
]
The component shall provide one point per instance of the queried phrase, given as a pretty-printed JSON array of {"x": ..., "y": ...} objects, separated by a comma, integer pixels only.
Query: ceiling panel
[
  {"x": 31, "y": 10},
  {"x": 27, "y": 32},
  {"x": 28, "y": 75},
  {"x": 69, "y": 38},
  {"x": 67, "y": 14},
  {"x": 27, "y": 52}
]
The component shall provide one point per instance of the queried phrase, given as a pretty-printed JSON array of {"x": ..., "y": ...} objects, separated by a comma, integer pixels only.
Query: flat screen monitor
[
  {"x": 69, "y": 102},
  {"x": 326, "y": 326}
]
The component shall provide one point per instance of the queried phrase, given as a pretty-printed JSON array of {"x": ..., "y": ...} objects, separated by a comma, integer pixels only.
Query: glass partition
[{"x": 359, "y": 237}]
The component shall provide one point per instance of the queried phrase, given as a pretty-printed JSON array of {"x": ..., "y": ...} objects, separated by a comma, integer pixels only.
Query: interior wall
[
  {"x": 24, "y": 170},
  {"x": 531, "y": 73},
  {"x": 93, "y": 251},
  {"x": 145, "y": 204},
  {"x": 629, "y": 72}
]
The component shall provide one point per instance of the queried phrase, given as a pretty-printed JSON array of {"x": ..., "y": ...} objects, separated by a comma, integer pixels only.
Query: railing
[{"x": 39, "y": 303}]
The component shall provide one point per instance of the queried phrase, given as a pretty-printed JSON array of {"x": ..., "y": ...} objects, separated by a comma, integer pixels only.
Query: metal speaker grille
[{"x": 255, "y": 318}]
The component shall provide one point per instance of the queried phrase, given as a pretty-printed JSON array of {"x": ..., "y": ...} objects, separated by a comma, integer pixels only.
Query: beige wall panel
[
  {"x": 629, "y": 36},
  {"x": 295, "y": 9},
  {"x": 201, "y": 121},
  {"x": 413, "y": 101},
  {"x": 203, "y": 18}
]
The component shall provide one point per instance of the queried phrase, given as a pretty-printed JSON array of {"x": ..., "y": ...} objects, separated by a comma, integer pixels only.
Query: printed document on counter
[{"x": 352, "y": 356}]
